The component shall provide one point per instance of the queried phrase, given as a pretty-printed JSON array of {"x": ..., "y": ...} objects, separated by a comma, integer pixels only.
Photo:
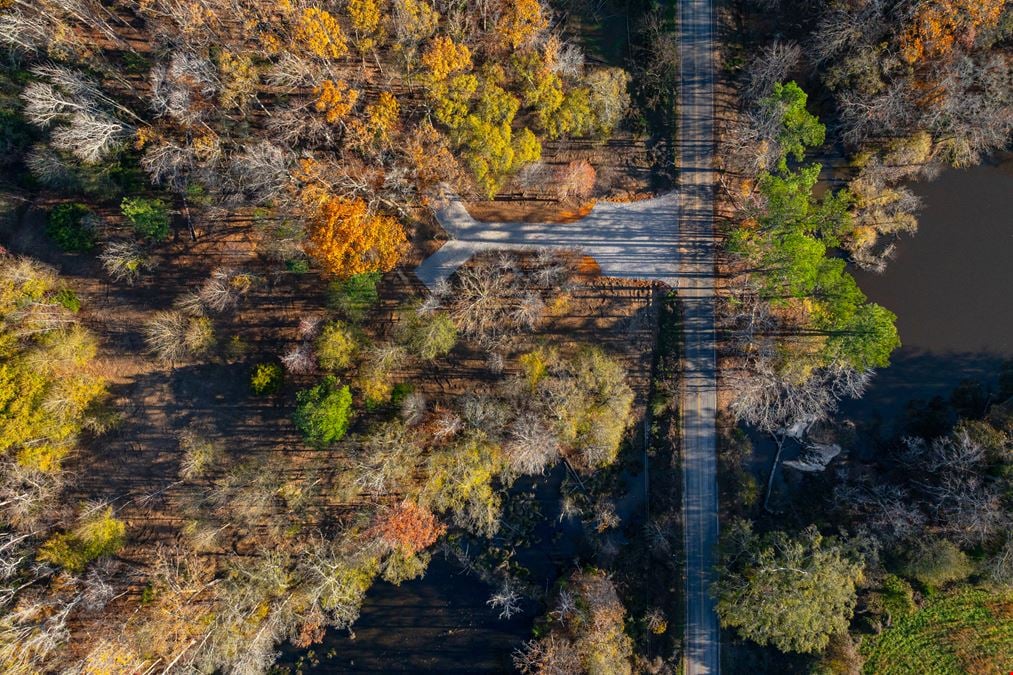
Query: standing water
[{"x": 951, "y": 286}]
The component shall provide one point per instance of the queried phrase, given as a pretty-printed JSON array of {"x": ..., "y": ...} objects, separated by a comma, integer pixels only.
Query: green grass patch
[{"x": 969, "y": 631}]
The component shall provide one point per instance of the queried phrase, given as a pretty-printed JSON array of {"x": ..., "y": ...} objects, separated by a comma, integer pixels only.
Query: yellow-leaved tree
[
  {"x": 367, "y": 23},
  {"x": 520, "y": 23},
  {"x": 319, "y": 32},
  {"x": 445, "y": 57},
  {"x": 47, "y": 385},
  {"x": 382, "y": 116}
]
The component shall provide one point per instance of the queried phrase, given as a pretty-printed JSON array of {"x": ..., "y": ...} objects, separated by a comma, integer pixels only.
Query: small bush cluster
[
  {"x": 71, "y": 227},
  {"x": 97, "y": 535},
  {"x": 355, "y": 296},
  {"x": 337, "y": 346},
  {"x": 324, "y": 411},
  {"x": 427, "y": 334},
  {"x": 266, "y": 378},
  {"x": 150, "y": 217}
]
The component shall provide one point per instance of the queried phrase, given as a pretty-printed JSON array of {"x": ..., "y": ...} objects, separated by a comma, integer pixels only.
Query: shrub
[
  {"x": 68, "y": 299},
  {"x": 324, "y": 412},
  {"x": 354, "y": 296},
  {"x": 95, "y": 536},
  {"x": 48, "y": 391},
  {"x": 266, "y": 378},
  {"x": 200, "y": 452},
  {"x": 535, "y": 365},
  {"x": 460, "y": 483},
  {"x": 200, "y": 335},
  {"x": 375, "y": 386},
  {"x": 403, "y": 566},
  {"x": 428, "y": 335},
  {"x": 124, "y": 261},
  {"x": 935, "y": 562},
  {"x": 70, "y": 227},
  {"x": 585, "y": 632},
  {"x": 336, "y": 346},
  {"x": 592, "y": 402},
  {"x": 150, "y": 217},
  {"x": 46, "y": 458},
  {"x": 898, "y": 596},
  {"x": 792, "y": 591},
  {"x": 15, "y": 136},
  {"x": 400, "y": 392},
  {"x": 172, "y": 335},
  {"x": 374, "y": 380}
]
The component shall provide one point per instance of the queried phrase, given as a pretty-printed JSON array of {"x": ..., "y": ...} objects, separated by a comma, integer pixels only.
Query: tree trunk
[{"x": 773, "y": 470}]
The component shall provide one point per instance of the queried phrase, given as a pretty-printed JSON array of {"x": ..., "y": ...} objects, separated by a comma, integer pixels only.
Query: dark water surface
[
  {"x": 951, "y": 287},
  {"x": 438, "y": 624}
]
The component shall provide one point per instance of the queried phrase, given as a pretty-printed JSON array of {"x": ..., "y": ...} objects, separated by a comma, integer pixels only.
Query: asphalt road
[
  {"x": 699, "y": 463},
  {"x": 671, "y": 239}
]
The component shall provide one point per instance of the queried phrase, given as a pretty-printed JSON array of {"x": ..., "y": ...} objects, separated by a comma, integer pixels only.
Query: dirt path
[{"x": 629, "y": 240}]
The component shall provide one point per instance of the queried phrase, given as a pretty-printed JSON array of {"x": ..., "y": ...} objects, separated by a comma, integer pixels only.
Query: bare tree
[
  {"x": 178, "y": 87},
  {"x": 224, "y": 288},
  {"x": 45, "y": 104},
  {"x": 772, "y": 402},
  {"x": 771, "y": 65},
  {"x": 386, "y": 459},
  {"x": 531, "y": 446},
  {"x": 172, "y": 335},
  {"x": 1000, "y": 565},
  {"x": 90, "y": 136},
  {"x": 23, "y": 32},
  {"x": 97, "y": 590},
  {"x": 413, "y": 408},
  {"x": 169, "y": 163},
  {"x": 300, "y": 360},
  {"x": 125, "y": 261},
  {"x": 569, "y": 61},
  {"x": 446, "y": 425},
  {"x": 485, "y": 412},
  {"x": 551, "y": 654},
  {"x": 506, "y": 599},
  {"x": 50, "y": 168},
  {"x": 27, "y": 496},
  {"x": 605, "y": 516},
  {"x": 260, "y": 171},
  {"x": 33, "y": 630}
]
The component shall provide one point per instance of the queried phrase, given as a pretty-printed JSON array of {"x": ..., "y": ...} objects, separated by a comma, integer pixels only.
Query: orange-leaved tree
[
  {"x": 347, "y": 238},
  {"x": 936, "y": 25},
  {"x": 410, "y": 527},
  {"x": 335, "y": 99}
]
